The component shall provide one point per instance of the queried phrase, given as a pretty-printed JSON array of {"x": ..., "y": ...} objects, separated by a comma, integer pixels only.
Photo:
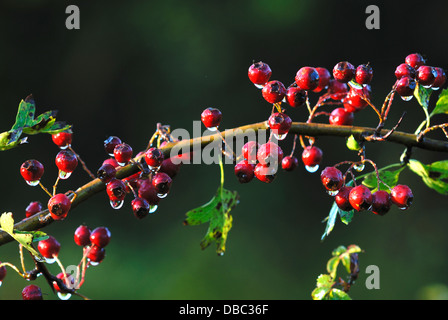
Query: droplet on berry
[
  {"x": 311, "y": 158},
  {"x": 62, "y": 139},
  {"x": 154, "y": 158},
  {"x": 344, "y": 71},
  {"x": 123, "y": 153},
  {"x": 162, "y": 184},
  {"x": 405, "y": 88},
  {"x": 116, "y": 204},
  {"x": 402, "y": 196},
  {"x": 110, "y": 144},
  {"x": 332, "y": 179},
  {"x": 280, "y": 123},
  {"x": 415, "y": 60},
  {"x": 307, "y": 78},
  {"x": 273, "y": 91},
  {"x": 360, "y": 198},
  {"x": 426, "y": 75},
  {"x": 211, "y": 118},
  {"x": 244, "y": 171},
  {"x": 440, "y": 79},
  {"x": 49, "y": 249},
  {"x": 259, "y": 73},
  {"x": 32, "y": 171},
  {"x": 324, "y": 79}
]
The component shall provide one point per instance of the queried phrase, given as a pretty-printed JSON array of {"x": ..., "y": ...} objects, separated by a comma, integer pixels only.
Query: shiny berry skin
[
  {"x": 404, "y": 70},
  {"x": 355, "y": 100},
  {"x": 68, "y": 281},
  {"x": 273, "y": 91},
  {"x": 33, "y": 208},
  {"x": 123, "y": 153},
  {"x": 100, "y": 237},
  {"x": 96, "y": 254},
  {"x": 211, "y": 118},
  {"x": 249, "y": 151},
  {"x": 112, "y": 162},
  {"x": 311, "y": 156},
  {"x": 337, "y": 90},
  {"x": 3, "y": 272},
  {"x": 344, "y": 71},
  {"x": 170, "y": 168},
  {"x": 162, "y": 183},
  {"x": 62, "y": 139},
  {"x": 140, "y": 207},
  {"x": 324, "y": 79},
  {"x": 32, "y": 170},
  {"x": 106, "y": 172},
  {"x": 364, "y": 74},
  {"x": 405, "y": 87},
  {"x": 147, "y": 191},
  {"x": 32, "y": 292},
  {"x": 269, "y": 153},
  {"x": 402, "y": 196},
  {"x": 415, "y": 60},
  {"x": 59, "y": 206},
  {"x": 332, "y": 178},
  {"x": 381, "y": 202},
  {"x": 259, "y": 73},
  {"x": 244, "y": 171},
  {"x": 307, "y": 78},
  {"x": 116, "y": 190},
  {"x": 280, "y": 123},
  {"x": 66, "y": 161},
  {"x": 341, "y": 117},
  {"x": 154, "y": 157},
  {"x": 265, "y": 173},
  {"x": 426, "y": 76},
  {"x": 360, "y": 198},
  {"x": 295, "y": 97},
  {"x": 110, "y": 144},
  {"x": 82, "y": 236},
  {"x": 289, "y": 163},
  {"x": 440, "y": 79},
  {"x": 341, "y": 198},
  {"x": 49, "y": 248}
]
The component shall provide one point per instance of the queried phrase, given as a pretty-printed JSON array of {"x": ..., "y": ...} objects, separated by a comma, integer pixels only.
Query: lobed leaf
[
  {"x": 441, "y": 104},
  {"x": 434, "y": 175},
  {"x": 388, "y": 178}
]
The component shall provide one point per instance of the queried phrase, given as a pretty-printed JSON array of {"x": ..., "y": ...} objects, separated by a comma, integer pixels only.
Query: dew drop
[
  {"x": 403, "y": 208},
  {"x": 1, "y": 282},
  {"x": 64, "y": 175},
  {"x": 259, "y": 86},
  {"x": 121, "y": 164},
  {"x": 284, "y": 100},
  {"x": 64, "y": 147},
  {"x": 428, "y": 86},
  {"x": 162, "y": 195},
  {"x": 64, "y": 296},
  {"x": 312, "y": 169},
  {"x": 280, "y": 136},
  {"x": 111, "y": 154},
  {"x": 33, "y": 183},
  {"x": 213, "y": 128},
  {"x": 332, "y": 192},
  {"x": 406, "y": 98},
  {"x": 116, "y": 204},
  {"x": 93, "y": 263},
  {"x": 50, "y": 260},
  {"x": 435, "y": 88},
  {"x": 153, "y": 208},
  {"x": 359, "y": 167}
]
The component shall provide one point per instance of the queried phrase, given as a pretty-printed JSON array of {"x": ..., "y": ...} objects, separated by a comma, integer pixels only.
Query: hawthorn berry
[
  {"x": 62, "y": 139},
  {"x": 154, "y": 157},
  {"x": 123, "y": 153},
  {"x": 360, "y": 198},
  {"x": 332, "y": 179},
  {"x": 33, "y": 208},
  {"x": 49, "y": 248},
  {"x": 307, "y": 78},
  {"x": 170, "y": 168},
  {"x": 3, "y": 272},
  {"x": 249, "y": 151},
  {"x": 140, "y": 207},
  {"x": 269, "y": 153},
  {"x": 59, "y": 206},
  {"x": 67, "y": 279},
  {"x": 295, "y": 96},
  {"x": 341, "y": 117},
  {"x": 364, "y": 74},
  {"x": 405, "y": 88},
  {"x": 148, "y": 192},
  {"x": 342, "y": 200},
  {"x": 440, "y": 79},
  {"x": 106, "y": 172},
  {"x": 100, "y": 237},
  {"x": 402, "y": 196},
  {"x": 96, "y": 254},
  {"x": 244, "y": 171},
  {"x": 32, "y": 292},
  {"x": 112, "y": 162},
  {"x": 31, "y": 171},
  {"x": 66, "y": 161},
  {"x": 404, "y": 70},
  {"x": 273, "y": 91},
  {"x": 381, "y": 202},
  {"x": 426, "y": 75},
  {"x": 110, "y": 144},
  {"x": 356, "y": 99},
  {"x": 211, "y": 118},
  {"x": 344, "y": 71},
  {"x": 337, "y": 90},
  {"x": 324, "y": 79},
  {"x": 265, "y": 173},
  {"x": 116, "y": 190},
  {"x": 162, "y": 184},
  {"x": 289, "y": 163},
  {"x": 259, "y": 73},
  {"x": 280, "y": 123},
  {"x": 82, "y": 236},
  {"x": 312, "y": 156},
  {"x": 415, "y": 60}
]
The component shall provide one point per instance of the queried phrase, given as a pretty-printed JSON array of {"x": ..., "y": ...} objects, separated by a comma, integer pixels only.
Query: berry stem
[
  {"x": 83, "y": 164},
  {"x": 45, "y": 189}
]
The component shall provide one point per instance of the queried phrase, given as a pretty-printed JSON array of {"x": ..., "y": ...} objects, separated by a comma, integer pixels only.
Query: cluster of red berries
[
  {"x": 360, "y": 197},
  {"x": 94, "y": 241},
  {"x": 415, "y": 71}
]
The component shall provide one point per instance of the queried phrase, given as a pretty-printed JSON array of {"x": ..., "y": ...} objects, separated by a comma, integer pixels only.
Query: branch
[{"x": 95, "y": 186}]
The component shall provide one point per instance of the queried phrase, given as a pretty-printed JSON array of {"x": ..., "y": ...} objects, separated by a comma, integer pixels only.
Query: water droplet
[
  {"x": 406, "y": 98},
  {"x": 312, "y": 169},
  {"x": 428, "y": 86},
  {"x": 1, "y": 282},
  {"x": 64, "y": 296},
  {"x": 64, "y": 147},
  {"x": 284, "y": 100},
  {"x": 259, "y": 86},
  {"x": 403, "y": 208},
  {"x": 153, "y": 208},
  {"x": 116, "y": 204},
  {"x": 33, "y": 183},
  {"x": 154, "y": 168},
  {"x": 93, "y": 263},
  {"x": 435, "y": 88},
  {"x": 40, "y": 259},
  {"x": 111, "y": 154},
  {"x": 162, "y": 195},
  {"x": 121, "y": 164},
  {"x": 213, "y": 128},
  {"x": 332, "y": 192},
  {"x": 359, "y": 167},
  {"x": 280, "y": 136},
  {"x": 50, "y": 260},
  {"x": 64, "y": 175}
]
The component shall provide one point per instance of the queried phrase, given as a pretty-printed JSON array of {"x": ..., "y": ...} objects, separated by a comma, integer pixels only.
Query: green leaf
[
  {"x": 353, "y": 144},
  {"x": 441, "y": 104},
  {"x": 434, "y": 175},
  {"x": 422, "y": 95},
  {"x": 389, "y": 177},
  {"x": 323, "y": 285},
  {"x": 7, "y": 222},
  {"x": 338, "y": 294},
  {"x": 332, "y": 266},
  {"x": 217, "y": 213},
  {"x": 331, "y": 220}
]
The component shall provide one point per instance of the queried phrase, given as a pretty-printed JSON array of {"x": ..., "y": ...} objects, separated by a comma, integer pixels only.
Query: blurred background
[{"x": 133, "y": 64}]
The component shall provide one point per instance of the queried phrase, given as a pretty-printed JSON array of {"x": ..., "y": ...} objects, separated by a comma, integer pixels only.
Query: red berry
[
  {"x": 307, "y": 78},
  {"x": 273, "y": 91},
  {"x": 250, "y": 150},
  {"x": 96, "y": 254},
  {"x": 32, "y": 292},
  {"x": 100, "y": 237},
  {"x": 405, "y": 88},
  {"x": 59, "y": 206},
  {"x": 401, "y": 195},
  {"x": 147, "y": 191},
  {"x": 32, "y": 170},
  {"x": 265, "y": 173},
  {"x": 338, "y": 90},
  {"x": 49, "y": 248},
  {"x": 324, "y": 79},
  {"x": 364, "y": 74},
  {"x": 116, "y": 190},
  {"x": 66, "y": 161},
  {"x": 170, "y": 168},
  {"x": 356, "y": 99},
  {"x": 342, "y": 200},
  {"x": 404, "y": 70},
  {"x": 344, "y": 71},
  {"x": 381, "y": 202},
  {"x": 280, "y": 123},
  {"x": 295, "y": 96},
  {"x": 332, "y": 178},
  {"x": 112, "y": 162},
  {"x": 244, "y": 171},
  {"x": 33, "y": 208},
  {"x": 259, "y": 73},
  {"x": 162, "y": 183},
  {"x": 110, "y": 144},
  {"x": 269, "y": 153},
  {"x": 341, "y": 117},
  {"x": 68, "y": 280},
  {"x": 289, "y": 163},
  {"x": 211, "y": 118},
  {"x": 123, "y": 153},
  {"x": 415, "y": 60},
  {"x": 426, "y": 76},
  {"x": 440, "y": 79},
  {"x": 3, "y": 272},
  {"x": 106, "y": 172},
  {"x": 62, "y": 139},
  {"x": 82, "y": 236},
  {"x": 311, "y": 156},
  {"x": 360, "y": 198},
  {"x": 140, "y": 207},
  {"x": 154, "y": 157}
]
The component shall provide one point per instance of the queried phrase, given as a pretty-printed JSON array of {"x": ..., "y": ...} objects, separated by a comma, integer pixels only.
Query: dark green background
[{"x": 135, "y": 63}]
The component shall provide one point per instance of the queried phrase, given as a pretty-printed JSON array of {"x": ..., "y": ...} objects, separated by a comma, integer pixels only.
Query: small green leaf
[
  {"x": 331, "y": 220},
  {"x": 353, "y": 144},
  {"x": 332, "y": 266},
  {"x": 338, "y": 294},
  {"x": 7, "y": 222},
  {"x": 441, "y": 104},
  {"x": 346, "y": 216},
  {"x": 434, "y": 175},
  {"x": 338, "y": 251},
  {"x": 324, "y": 284},
  {"x": 422, "y": 95},
  {"x": 389, "y": 177}
]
